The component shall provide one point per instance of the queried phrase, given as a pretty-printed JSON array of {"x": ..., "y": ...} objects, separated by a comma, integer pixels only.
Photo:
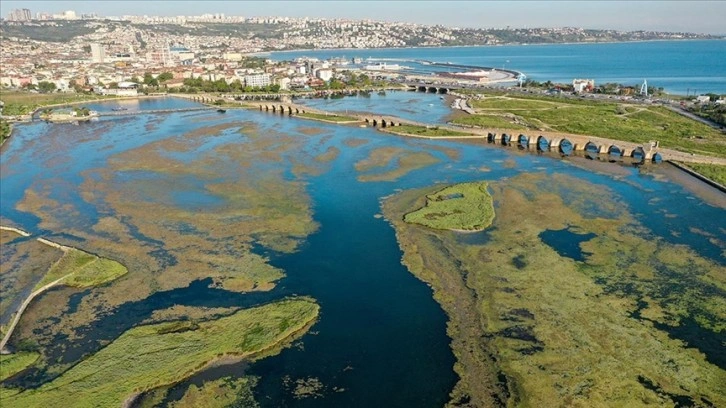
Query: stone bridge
[
  {"x": 591, "y": 146},
  {"x": 431, "y": 88},
  {"x": 292, "y": 109}
]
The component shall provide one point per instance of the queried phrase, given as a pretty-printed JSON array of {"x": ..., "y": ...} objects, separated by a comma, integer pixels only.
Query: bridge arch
[
  {"x": 543, "y": 144},
  {"x": 615, "y": 152},
  {"x": 383, "y": 123},
  {"x": 433, "y": 89},
  {"x": 522, "y": 141},
  {"x": 592, "y": 148},
  {"x": 566, "y": 147},
  {"x": 375, "y": 123},
  {"x": 506, "y": 138},
  {"x": 638, "y": 154},
  {"x": 282, "y": 110},
  {"x": 443, "y": 90},
  {"x": 491, "y": 137}
]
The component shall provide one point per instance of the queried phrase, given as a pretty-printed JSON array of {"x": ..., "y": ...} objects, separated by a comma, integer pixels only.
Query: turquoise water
[
  {"x": 381, "y": 337},
  {"x": 412, "y": 106},
  {"x": 679, "y": 67}
]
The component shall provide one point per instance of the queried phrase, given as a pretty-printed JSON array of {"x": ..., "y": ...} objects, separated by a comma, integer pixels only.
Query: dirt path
[
  {"x": 22, "y": 308},
  {"x": 32, "y": 296}
]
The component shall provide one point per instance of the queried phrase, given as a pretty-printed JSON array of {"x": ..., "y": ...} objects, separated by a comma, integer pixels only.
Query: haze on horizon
[{"x": 705, "y": 17}]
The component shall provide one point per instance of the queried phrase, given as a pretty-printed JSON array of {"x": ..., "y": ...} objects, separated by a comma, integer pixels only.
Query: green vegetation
[
  {"x": 222, "y": 393},
  {"x": 488, "y": 121},
  {"x": 398, "y": 161},
  {"x": 24, "y": 103},
  {"x": 530, "y": 326},
  {"x": 5, "y": 130},
  {"x": 11, "y": 364},
  {"x": 714, "y": 172},
  {"x": 628, "y": 122},
  {"x": 426, "y": 131},
  {"x": 194, "y": 85},
  {"x": 329, "y": 118},
  {"x": 712, "y": 111},
  {"x": 82, "y": 270},
  {"x": 81, "y": 112},
  {"x": 149, "y": 356},
  {"x": 466, "y": 206},
  {"x": 60, "y": 31}
]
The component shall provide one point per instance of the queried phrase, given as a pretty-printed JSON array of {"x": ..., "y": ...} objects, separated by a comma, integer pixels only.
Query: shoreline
[
  {"x": 271, "y": 53},
  {"x": 233, "y": 358}
]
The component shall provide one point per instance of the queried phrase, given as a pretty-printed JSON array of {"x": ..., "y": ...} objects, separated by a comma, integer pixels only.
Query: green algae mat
[
  {"x": 155, "y": 355},
  {"x": 532, "y": 328},
  {"x": 466, "y": 206}
]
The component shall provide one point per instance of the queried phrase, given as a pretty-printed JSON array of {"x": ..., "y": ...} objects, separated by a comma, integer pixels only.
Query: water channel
[{"x": 381, "y": 338}]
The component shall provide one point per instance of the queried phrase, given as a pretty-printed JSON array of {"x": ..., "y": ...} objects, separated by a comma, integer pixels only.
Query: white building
[
  {"x": 98, "y": 54},
  {"x": 257, "y": 80},
  {"x": 325, "y": 74},
  {"x": 582, "y": 85},
  {"x": 284, "y": 83},
  {"x": 232, "y": 56},
  {"x": 19, "y": 15}
]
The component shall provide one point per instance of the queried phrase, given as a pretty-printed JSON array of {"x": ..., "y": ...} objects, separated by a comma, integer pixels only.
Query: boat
[
  {"x": 220, "y": 110},
  {"x": 120, "y": 109}
]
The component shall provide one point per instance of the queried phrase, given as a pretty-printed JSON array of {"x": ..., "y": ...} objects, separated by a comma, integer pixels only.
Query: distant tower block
[{"x": 644, "y": 88}]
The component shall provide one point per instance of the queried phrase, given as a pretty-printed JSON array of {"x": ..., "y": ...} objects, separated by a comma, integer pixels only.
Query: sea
[{"x": 685, "y": 67}]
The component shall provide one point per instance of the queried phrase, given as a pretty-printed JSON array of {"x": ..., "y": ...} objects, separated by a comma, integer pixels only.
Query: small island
[{"x": 461, "y": 207}]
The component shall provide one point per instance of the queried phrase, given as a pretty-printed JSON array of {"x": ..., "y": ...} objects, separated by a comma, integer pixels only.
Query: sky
[{"x": 678, "y": 16}]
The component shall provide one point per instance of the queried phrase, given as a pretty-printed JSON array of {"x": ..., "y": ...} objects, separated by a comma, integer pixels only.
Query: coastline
[{"x": 271, "y": 53}]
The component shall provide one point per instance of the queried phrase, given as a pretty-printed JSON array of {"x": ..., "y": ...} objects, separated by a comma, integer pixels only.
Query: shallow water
[{"x": 381, "y": 339}]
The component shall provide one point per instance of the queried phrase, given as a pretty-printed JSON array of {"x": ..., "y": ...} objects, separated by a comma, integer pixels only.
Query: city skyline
[{"x": 697, "y": 17}]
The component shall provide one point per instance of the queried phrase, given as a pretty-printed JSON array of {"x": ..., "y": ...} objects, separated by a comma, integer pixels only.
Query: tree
[
  {"x": 149, "y": 80},
  {"x": 165, "y": 76},
  {"x": 336, "y": 84},
  {"x": 46, "y": 87}
]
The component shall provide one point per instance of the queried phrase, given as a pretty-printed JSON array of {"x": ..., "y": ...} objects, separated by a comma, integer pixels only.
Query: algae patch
[
  {"x": 155, "y": 355},
  {"x": 531, "y": 327},
  {"x": 466, "y": 206}
]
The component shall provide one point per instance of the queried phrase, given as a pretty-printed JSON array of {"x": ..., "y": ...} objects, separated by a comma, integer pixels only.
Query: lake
[{"x": 381, "y": 339}]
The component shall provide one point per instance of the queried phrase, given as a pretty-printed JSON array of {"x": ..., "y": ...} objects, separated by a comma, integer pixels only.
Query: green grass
[
  {"x": 143, "y": 358},
  {"x": 5, "y": 130},
  {"x": 426, "y": 131},
  {"x": 488, "y": 121},
  {"x": 627, "y": 122},
  {"x": 24, "y": 103},
  {"x": 11, "y": 364},
  {"x": 509, "y": 103},
  {"x": 83, "y": 270},
  {"x": 466, "y": 206},
  {"x": 714, "y": 172},
  {"x": 331, "y": 118}
]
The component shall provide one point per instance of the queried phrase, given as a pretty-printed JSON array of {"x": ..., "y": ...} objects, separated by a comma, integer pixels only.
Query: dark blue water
[
  {"x": 566, "y": 242},
  {"x": 381, "y": 338},
  {"x": 678, "y": 66}
]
